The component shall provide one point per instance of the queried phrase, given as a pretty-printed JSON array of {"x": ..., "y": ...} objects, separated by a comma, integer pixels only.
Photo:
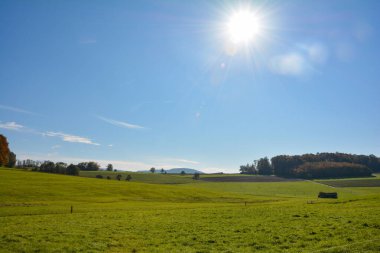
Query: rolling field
[
  {"x": 156, "y": 178},
  {"x": 120, "y": 216}
]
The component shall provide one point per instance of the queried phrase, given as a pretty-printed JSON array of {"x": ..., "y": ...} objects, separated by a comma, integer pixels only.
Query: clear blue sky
[{"x": 159, "y": 83}]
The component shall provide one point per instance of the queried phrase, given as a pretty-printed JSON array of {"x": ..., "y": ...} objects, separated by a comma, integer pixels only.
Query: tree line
[
  {"x": 58, "y": 167},
  {"x": 320, "y": 165}
]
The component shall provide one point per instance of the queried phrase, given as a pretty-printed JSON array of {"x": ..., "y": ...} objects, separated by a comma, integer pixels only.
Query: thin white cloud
[
  {"x": 70, "y": 138},
  {"x": 11, "y": 126},
  {"x": 186, "y": 161},
  {"x": 55, "y": 147},
  {"x": 120, "y": 123},
  {"x": 15, "y": 109}
]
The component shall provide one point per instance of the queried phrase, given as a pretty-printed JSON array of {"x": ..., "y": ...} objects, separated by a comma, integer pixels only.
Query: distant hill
[{"x": 175, "y": 171}]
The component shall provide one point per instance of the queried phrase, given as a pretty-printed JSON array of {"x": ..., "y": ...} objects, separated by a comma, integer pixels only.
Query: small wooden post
[
  {"x": 71, "y": 209},
  {"x": 245, "y": 203}
]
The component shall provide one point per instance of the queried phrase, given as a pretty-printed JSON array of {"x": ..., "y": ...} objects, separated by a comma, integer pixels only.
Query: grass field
[
  {"x": 192, "y": 216},
  {"x": 156, "y": 178}
]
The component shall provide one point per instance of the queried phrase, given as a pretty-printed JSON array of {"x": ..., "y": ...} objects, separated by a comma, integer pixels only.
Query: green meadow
[{"x": 173, "y": 213}]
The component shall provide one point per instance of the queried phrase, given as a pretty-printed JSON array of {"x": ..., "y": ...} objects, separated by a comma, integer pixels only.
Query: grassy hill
[{"x": 121, "y": 216}]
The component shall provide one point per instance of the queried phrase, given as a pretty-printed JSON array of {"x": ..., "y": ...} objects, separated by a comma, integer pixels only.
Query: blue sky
[{"x": 159, "y": 83}]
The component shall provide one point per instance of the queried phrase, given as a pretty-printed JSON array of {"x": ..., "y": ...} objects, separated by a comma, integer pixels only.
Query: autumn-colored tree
[{"x": 4, "y": 151}]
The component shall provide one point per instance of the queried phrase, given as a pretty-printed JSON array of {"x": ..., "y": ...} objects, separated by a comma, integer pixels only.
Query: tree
[
  {"x": 93, "y": 166},
  {"x": 11, "y": 160},
  {"x": 60, "y": 168},
  {"x": 109, "y": 167},
  {"x": 183, "y": 173},
  {"x": 72, "y": 170},
  {"x": 152, "y": 169},
  {"x": 82, "y": 165},
  {"x": 196, "y": 176},
  {"x": 162, "y": 171},
  {"x": 248, "y": 169},
  {"x": 47, "y": 166},
  {"x": 4, "y": 151},
  {"x": 264, "y": 167},
  {"x": 118, "y": 177},
  {"x": 128, "y": 178},
  {"x": 89, "y": 166}
]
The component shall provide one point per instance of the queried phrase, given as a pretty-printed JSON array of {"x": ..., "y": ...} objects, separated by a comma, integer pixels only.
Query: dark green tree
[
  {"x": 109, "y": 167},
  {"x": 12, "y": 160},
  {"x": 89, "y": 166},
  {"x": 93, "y": 166},
  {"x": 60, "y": 168},
  {"x": 248, "y": 169},
  {"x": 264, "y": 167},
  {"x": 72, "y": 170},
  {"x": 183, "y": 173},
  {"x": 118, "y": 177},
  {"x": 153, "y": 169},
  {"x": 128, "y": 178},
  {"x": 47, "y": 166}
]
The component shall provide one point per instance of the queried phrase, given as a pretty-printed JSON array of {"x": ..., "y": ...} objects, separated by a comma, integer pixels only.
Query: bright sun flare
[{"x": 243, "y": 26}]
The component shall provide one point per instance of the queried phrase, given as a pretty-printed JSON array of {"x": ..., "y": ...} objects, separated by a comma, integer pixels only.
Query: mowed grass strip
[{"x": 352, "y": 183}]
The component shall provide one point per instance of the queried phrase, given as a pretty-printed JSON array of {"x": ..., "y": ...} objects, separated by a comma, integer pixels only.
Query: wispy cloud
[
  {"x": 15, "y": 109},
  {"x": 120, "y": 123},
  {"x": 185, "y": 161},
  {"x": 11, "y": 126},
  {"x": 65, "y": 137},
  {"x": 70, "y": 138}
]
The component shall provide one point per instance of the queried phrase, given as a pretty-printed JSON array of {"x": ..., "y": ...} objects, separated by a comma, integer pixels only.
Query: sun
[{"x": 243, "y": 27}]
